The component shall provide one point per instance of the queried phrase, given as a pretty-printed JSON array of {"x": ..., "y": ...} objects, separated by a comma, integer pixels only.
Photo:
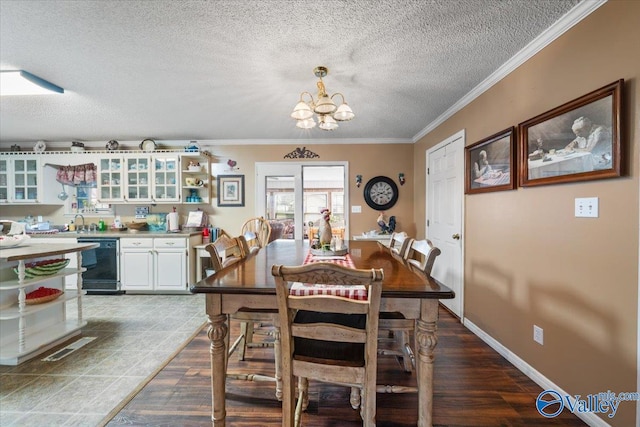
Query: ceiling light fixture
[
  {"x": 20, "y": 82},
  {"x": 328, "y": 113}
]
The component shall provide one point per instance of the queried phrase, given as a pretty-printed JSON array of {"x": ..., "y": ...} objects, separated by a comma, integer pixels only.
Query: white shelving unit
[
  {"x": 29, "y": 330},
  {"x": 203, "y": 173}
]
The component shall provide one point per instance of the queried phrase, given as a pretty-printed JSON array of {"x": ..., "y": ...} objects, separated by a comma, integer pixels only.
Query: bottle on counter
[
  {"x": 72, "y": 226},
  {"x": 206, "y": 237},
  {"x": 101, "y": 225}
]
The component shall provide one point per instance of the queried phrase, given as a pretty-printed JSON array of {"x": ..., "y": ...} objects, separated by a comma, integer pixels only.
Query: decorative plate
[
  {"x": 148, "y": 145},
  {"x": 40, "y": 147},
  {"x": 44, "y": 268},
  {"x": 12, "y": 241},
  {"x": 324, "y": 252},
  {"x": 42, "y": 295},
  {"x": 112, "y": 145}
]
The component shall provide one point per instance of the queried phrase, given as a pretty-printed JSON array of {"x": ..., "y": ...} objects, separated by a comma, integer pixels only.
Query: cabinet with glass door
[
  {"x": 110, "y": 179},
  {"x": 20, "y": 179},
  {"x": 4, "y": 180},
  {"x": 166, "y": 179},
  {"x": 137, "y": 186}
]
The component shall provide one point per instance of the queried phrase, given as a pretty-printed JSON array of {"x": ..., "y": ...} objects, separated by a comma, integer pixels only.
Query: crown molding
[{"x": 564, "y": 24}]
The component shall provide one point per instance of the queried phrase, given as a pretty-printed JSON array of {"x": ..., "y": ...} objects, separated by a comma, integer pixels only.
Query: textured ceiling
[{"x": 233, "y": 70}]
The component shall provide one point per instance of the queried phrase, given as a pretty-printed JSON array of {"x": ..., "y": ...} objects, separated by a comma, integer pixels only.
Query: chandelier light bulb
[
  {"x": 302, "y": 111},
  {"x": 343, "y": 113},
  {"x": 306, "y": 123},
  {"x": 327, "y": 123}
]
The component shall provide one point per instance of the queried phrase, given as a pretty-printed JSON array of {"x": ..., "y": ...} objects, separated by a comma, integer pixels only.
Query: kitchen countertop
[{"x": 112, "y": 234}]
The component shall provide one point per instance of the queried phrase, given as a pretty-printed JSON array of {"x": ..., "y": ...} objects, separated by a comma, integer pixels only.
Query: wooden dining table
[{"x": 249, "y": 284}]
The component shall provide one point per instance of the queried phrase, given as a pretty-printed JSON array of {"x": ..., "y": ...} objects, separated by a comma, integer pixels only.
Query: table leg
[
  {"x": 427, "y": 341},
  {"x": 217, "y": 332}
]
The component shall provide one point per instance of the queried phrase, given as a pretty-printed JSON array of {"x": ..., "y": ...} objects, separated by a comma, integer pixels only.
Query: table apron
[{"x": 231, "y": 303}]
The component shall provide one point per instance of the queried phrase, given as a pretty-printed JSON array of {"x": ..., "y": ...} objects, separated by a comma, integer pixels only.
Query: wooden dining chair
[
  {"x": 327, "y": 337},
  {"x": 255, "y": 234},
  {"x": 422, "y": 254},
  {"x": 257, "y": 229},
  {"x": 399, "y": 243},
  {"x": 224, "y": 251}
]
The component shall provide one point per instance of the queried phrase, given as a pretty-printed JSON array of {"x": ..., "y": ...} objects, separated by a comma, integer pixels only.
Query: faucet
[{"x": 74, "y": 220}]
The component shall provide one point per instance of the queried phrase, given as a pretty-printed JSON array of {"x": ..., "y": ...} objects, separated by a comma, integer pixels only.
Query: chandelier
[{"x": 328, "y": 113}]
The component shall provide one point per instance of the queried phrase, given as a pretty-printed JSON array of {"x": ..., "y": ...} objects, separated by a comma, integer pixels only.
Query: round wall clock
[{"x": 381, "y": 193}]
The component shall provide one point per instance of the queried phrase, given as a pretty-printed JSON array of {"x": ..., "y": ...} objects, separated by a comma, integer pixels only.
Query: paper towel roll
[{"x": 172, "y": 221}]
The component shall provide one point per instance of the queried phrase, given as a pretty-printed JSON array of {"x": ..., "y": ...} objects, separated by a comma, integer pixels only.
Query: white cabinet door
[
  {"x": 25, "y": 177},
  {"x": 138, "y": 179},
  {"x": 170, "y": 263},
  {"x": 110, "y": 179},
  {"x": 136, "y": 266},
  {"x": 4, "y": 180},
  {"x": 166, "y": 179},
  {"x": 171, "y": 270}
]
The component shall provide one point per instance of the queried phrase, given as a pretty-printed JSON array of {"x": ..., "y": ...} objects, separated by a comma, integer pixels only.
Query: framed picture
[
  {"x": 577, "y": 141},
  {"x": 231, "y": 190},
  {"x": 490, "y": 163}
]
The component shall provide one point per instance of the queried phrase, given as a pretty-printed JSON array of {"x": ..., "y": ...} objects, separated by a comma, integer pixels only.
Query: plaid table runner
[{"x": 357, "y": 292}]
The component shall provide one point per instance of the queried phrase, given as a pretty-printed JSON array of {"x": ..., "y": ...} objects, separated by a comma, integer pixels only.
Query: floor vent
[{"x": 63, "y": 352}]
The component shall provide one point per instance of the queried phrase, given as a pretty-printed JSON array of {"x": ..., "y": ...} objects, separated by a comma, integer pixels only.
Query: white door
[{"x": 445, "y": 191}]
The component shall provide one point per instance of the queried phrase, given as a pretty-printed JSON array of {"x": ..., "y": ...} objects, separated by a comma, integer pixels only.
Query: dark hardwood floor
[{"x": 474, "y": 386}]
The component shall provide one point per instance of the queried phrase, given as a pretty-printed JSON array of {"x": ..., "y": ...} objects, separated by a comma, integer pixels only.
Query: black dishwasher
[{"x": 103, "y": 272}]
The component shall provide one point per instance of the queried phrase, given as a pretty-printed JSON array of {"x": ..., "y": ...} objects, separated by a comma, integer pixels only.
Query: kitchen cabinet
[
  {"x": 196, "y": 167},
  {"x": 22, "y": 178},
  {"x": 110, "y": 181},
  {"x": 29, "y": 330},
  {"x": 139, "y": 178},
  {"x": 4, "y": 180},
  {"x": 166, "y": 179},
  {"x": 159, "y": 264}
]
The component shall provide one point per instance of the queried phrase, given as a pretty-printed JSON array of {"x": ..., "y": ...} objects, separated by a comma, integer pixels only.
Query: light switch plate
[
  {"x": 586, "y": 207},
  {"x": 356, "y": 209}
]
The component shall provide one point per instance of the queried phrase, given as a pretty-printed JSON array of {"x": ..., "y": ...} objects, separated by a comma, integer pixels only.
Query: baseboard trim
[{"x": 590, "y": 418}]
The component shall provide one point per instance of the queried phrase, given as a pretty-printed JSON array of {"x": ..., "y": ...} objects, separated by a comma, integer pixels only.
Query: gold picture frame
[{"x": 577, "y": 141}]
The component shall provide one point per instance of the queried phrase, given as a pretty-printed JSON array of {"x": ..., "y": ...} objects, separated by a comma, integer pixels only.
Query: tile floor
[{"x": 135, "y": 335}]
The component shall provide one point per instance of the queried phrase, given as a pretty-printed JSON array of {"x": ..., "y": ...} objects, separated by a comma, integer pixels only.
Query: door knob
[{"x": 456, "y": 236}]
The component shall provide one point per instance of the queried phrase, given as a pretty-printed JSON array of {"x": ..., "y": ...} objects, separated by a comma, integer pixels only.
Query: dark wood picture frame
[
  {"x": 490, "y": 164},
  {"x": 577, "y": 141},
  {"x": 231, "y": 190}
]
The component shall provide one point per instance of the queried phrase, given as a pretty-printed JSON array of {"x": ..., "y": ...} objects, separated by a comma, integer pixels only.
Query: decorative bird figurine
[{"x": 386, "y": 227}]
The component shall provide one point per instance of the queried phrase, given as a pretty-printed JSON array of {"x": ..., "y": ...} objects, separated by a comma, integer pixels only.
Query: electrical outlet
[
  {"x": 586, "y": 207},
  {"x": 538, "y": 334}
]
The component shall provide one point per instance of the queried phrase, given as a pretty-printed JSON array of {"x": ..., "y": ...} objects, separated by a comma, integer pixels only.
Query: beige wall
[
  {"x": 527, "y": 259},
  {"x": 368, "y": 160}
]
